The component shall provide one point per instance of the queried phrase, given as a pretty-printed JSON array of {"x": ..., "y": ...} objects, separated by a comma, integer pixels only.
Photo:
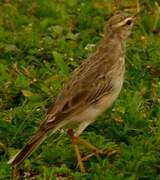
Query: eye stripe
[{"x": 122, "y": 23}]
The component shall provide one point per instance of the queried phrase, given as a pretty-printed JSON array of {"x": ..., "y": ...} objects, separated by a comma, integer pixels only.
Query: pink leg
[{"x": 74, "y": 142}]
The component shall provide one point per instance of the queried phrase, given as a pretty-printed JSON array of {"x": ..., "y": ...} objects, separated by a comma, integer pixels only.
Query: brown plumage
[{"x": 91, "y": 89}]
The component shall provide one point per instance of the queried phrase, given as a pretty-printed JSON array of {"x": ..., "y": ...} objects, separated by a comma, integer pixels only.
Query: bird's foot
[
  {"x": 95, "y": 151},
  {"x": 106, "y": 152}
]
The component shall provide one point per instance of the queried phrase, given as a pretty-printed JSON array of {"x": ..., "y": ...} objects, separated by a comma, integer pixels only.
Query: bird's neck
[
  {"x": 114, "y": 39},
  {"x": 113, "y": 44}
]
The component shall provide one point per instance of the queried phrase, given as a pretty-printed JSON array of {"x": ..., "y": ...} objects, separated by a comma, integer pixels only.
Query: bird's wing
[{"x": 77, "y": 95}]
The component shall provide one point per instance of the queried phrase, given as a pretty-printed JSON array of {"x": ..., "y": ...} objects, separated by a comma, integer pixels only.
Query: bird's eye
[{"x": 129, "y": 22}]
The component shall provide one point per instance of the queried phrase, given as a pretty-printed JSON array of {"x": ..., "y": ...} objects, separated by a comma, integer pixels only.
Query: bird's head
[{"x": 121, "y": 25}]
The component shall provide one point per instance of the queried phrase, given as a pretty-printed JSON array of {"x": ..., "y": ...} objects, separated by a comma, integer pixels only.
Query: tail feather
[{"x": 35, "y": 141}]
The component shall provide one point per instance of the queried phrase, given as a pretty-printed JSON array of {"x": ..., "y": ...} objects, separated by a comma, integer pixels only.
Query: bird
[{"x": 91, "y": 89}]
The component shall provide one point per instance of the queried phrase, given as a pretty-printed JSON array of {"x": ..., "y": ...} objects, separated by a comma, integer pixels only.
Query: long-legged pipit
[{"x": 92, "y": 88}]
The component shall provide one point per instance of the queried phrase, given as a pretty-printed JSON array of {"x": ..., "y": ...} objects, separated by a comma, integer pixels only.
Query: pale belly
[
  {"x": 93, "y": 111},
  {"x": 107, "y": 100}
]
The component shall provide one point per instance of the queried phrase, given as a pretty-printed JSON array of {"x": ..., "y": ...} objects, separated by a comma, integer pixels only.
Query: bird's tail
[{"x": 35, "y": 141}]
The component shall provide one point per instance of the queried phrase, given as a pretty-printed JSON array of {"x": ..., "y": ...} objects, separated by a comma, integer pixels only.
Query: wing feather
[{"x": 87, "y": 85}]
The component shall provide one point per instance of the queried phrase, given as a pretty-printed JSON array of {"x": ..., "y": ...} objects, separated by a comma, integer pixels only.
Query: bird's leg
[
  {"x": 89, "y": 145},
  {"x": 95, "y": 151},
  {"x": 79, "y": 159},
  {"x": 81, "y": 128},
  {"x": 75, "y": 139},
  {"x": 74, "y": 142}
]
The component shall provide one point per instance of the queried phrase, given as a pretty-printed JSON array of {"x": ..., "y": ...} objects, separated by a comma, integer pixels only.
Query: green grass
[{"x": 41, "y": 43}]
